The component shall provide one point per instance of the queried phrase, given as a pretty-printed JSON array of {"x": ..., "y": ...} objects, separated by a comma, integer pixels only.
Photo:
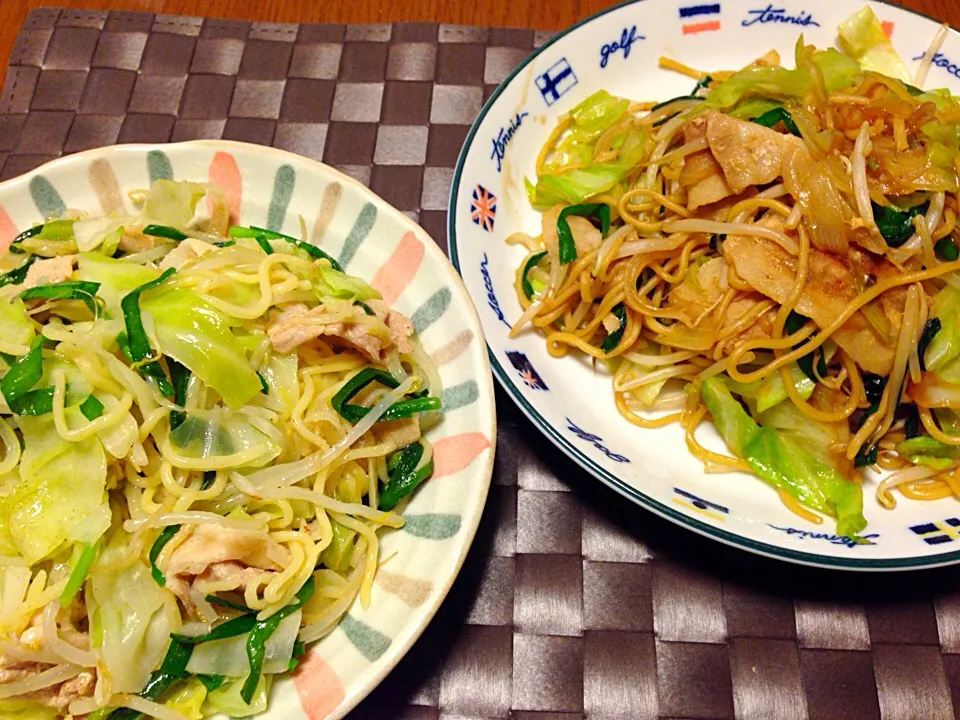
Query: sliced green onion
[
  {"x": 172, "y": 669},
  {"x": 527, "y": 267},
  {"x": 67, "y": 290},
  {"x": 18, "y": 274},
  {"x": 257, "y": 640},
  {"x": 613, "y": 339},
  {"x": 164, "y": 231},
  {"x": 567, "y": 247},
  {"x": 79, "y": 573},
  {"x": 91, "y": 408},
  {"x": 404, "y": 475},
  {"x": 165, "y": 536},
  {"x": 136, "y": 335},
  {"x": 778, "y": 114}
]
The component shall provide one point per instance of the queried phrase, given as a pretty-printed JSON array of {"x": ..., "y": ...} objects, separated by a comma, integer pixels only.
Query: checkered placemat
[{"x": 573, "y": 602}]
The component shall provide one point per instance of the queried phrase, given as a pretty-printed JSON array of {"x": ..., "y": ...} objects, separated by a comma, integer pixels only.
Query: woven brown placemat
[{"x": 573, "y": 602}]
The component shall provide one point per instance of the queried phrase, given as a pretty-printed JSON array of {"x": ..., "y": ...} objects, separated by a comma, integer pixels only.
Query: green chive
[
  {"x": 18, "y": 274},
  {"x": 264, "y": 244},
  {"x": 254, "y": 232},
  {"x": 91, "y": 408},
  {"x": 67, "y": 290},
  {"x": 567, "y": 246},
  {"x": 257, "y": 640},
  {"x": 363, "y": 306},
  {"x": 404, "y": 475},
  {"x": 264, "y": 388},
  {"x": 79, "y": 573},
  {"x": 172, "y": 669},
  {"x": 930, "y": 329},
  {"x": 210, "y": 682},
  {"x": 778, "y": 114},
  {"x": 896, "y": 225},
  {"x": 527, "y": 267},
  {"x": 136, "y": 335},
  {"x": 165, "y": 536},
  {"x": 209, "y": 476},
  {"x": 946, "y": 249},
  {"x": 164, "y": 231},
  {"x": 613, "y": 339},
  {"x": 24, "y": 373}
]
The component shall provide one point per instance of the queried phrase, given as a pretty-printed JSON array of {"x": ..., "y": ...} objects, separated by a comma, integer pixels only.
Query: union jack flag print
[
  {"x": 483, "y": 207},
  {"x": 531, "y": 378}
]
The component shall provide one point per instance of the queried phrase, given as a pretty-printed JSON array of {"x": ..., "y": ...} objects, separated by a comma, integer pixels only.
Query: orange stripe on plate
[
  {"x": 887, "y": 26},
  {"x": 701, "y": 27},
  {"x": 8, "y": 231},
  {"x": 453, "y": 454},
  {"x": 397, "y": 272},
  {"x": 318, "y": 686},
  {"x": 225, "y": 174}
]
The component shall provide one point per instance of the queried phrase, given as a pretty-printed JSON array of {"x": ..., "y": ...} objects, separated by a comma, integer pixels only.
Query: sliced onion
[{"x": 934, "y": 392}]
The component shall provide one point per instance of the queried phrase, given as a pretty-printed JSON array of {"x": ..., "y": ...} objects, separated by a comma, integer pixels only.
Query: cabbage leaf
[
  {"x": 60, "y": 484},
  {"x": 862, "y": 38},
  {"x": 784, "y": 461},
  {"x": 198, "y": 336},
  {"x": 172, "y": 203},
  {"x": 135, "y": 617}
]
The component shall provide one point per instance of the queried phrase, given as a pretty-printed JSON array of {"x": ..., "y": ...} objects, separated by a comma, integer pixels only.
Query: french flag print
[{"x": 696, "y": 19}]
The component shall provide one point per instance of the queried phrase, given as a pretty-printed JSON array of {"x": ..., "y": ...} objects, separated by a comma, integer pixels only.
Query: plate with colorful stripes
[
  {"x": 621, "y": 50},
  {"x": 369, "y": 238}
]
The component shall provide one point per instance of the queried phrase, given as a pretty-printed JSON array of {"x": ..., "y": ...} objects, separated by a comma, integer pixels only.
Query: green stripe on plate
[
  {"x": 460, "y": 395},
  {"x": 432, "y": 526},
  {"x": 358, "y": 233},
  {"x": 46, "y": 198},
  {"x": 158, "y": 166},
  {"x": 428, "y": 313},
  {"x": 370, "y": 642},
  {"x": 283, "y": 183}
]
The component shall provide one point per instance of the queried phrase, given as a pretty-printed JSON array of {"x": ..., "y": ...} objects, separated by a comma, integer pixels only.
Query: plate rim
[
  {"x": 405, "y": 639},
  {"x": 736, "y": 540}
]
